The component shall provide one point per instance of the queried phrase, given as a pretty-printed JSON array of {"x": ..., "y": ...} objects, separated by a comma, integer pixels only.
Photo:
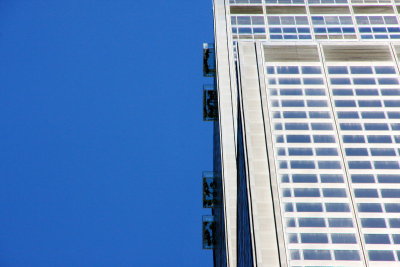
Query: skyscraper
[{"x": 306, "y": 133}]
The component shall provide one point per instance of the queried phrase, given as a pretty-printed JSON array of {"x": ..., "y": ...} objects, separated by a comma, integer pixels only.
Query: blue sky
[{"x": 102, "y": 142}]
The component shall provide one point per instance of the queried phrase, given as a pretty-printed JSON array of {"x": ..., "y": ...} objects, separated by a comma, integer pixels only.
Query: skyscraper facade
[{"x": 306, "y": 133}]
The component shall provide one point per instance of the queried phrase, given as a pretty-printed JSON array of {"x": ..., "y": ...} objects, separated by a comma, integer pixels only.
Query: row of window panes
[
  {"x": 332, "y": 20},
  {"x": 316, "y": 254},
  {"x": 343, "y": 222},
  {"x": 321, "y": 238},
  {"x": 380, "y": 222},
  {"x": 299, "y": 103},
  {"x": 378, "y": 165},
  {"x": 301, "y": 151},
  {"x": 365, "y": 92},
  {"x": 364, "y": 81},
  {"x": 373, "y": 255},
  {"x": 248, "y": 30},
  {"x": 341, "y": 207},
  {"x": 311, "y": 178},
  {"x": 372, "y": 139},
  {"x": 366, "y": 103},
  {"x": 373, "y": 20},
  {"x": 310, "y": 164},
  {"x": 379, "y": 207},
  {"x": 302, "y": 138},
  {"x": 247, "y": 20},
  {"x": 369, "y": 127},
  {"x": 293, "y": 70},
  {"x": 338, "y": 178},
  {"x": 380, "y": 178},
  {"x": 361, "y": 70},
  {"x": 297, "y": 92},
  {"x": 302, "y": 114},
  {"x": 386, "y": 152},
  {"x": 316, "y": 207},
  {"x": 368, "y": 115},
  {"x": 287, "y": 20},
  {"x": 375, "y": 193},
  {"x": 316, "y": 126},
  {"x": 314, "y": 192},
  {"x": 380, "y": 36},
  {"x": 295, "y": 81}
]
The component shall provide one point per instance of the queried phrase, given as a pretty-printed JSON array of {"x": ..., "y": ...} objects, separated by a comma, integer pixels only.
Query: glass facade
[{"x": 330, "y": 110}]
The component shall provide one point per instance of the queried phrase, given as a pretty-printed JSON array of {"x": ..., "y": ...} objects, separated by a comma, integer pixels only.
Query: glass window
[
  {"x": 337, "y": 207},
  {"x": 390, "y": 91},
  {"x": 321, "y": 126},
  {"x": 394, "y": 115},
  {"x": 334, "y": 192},
  {"x": 343, "y": 239},
  {"x": 311, "y": 222},
  {"x": 392, "y": 207},
  {"x": 353, "y": 139},
  {"x": 302, "y": 164},
  {"x": 369, "y": 207},
  {"x": 376, "y": 126},
  {"x": 314, "y": 238},
  {"x": 298, "y": 138},
  {"x": 369, "y": 103},
  {"x": 310, "y": 254},
  {"x": 347, "y": 115},
  {"x": 289, "y": 81},
  {"x": 331, "y": 178},
  {"x": 360, "y": 165},
  {"x": 386, "y": 165},
  {"x": 288, "y": 207},
  {"x": 294, "y": 114},
  {"x": 326, "y": 152},
  {"x": 380, "y": 255},
  {"x": 293, "y": 238},
  {"x": 362, "y": 178},
  {"x": 311, "y": 70},
  {"x": 315, "y": 92},
  {"x": 389, "y": 178},
  {"x": 356, "y": 152},
  {"x": 313, "y": 81},
  {"x": 319, "y": 115},
  {"x": 348, "y": 255},
  {"x": 396, "y": 239},
  {"x": 390, "y": 193},
  {"x": 362, "y": 92},
  {"x": 388, "y": 81},
  {"x": 316, "y": 103},
  {"x": 340, "y": 222},
  {"x": 379, "y": 139},
  {"x": 287, "y": 70},
  {"x": 394, "y": 222},
  {"x": 337, "y": 70},
  {"x": 339, "y": 81},
  {"x": 373, "y": 223},
  {"x": 324, "y": 138},
  {"x": 361, "y": 70},
  {"x": 372, "y": 115},
  {"x": 366, "y": 193},
  {"x": 291, "y": 92},
  {"x": 329, "y": 165},
  {"x": 385, "y": 70},
  {"x": 296, "y": 126},
  {"x": 300, "y": 152},
  {"x": 306, "y": 192},
  {"x": 294, "y": 254},
  {"x": 342, "y": 92},
  {"x": 364, "y": 81},
  {"x": 309, "y": 207},
  {"x": 377, "y": 239},
  {"x": 292, "y": 103},
  {"x": 392, "y": 103},
  {"x": 304, "y": 178},
  {"x": 350, "y": 126}
]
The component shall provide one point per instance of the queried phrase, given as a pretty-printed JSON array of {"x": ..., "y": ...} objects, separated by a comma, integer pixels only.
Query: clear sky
[{"x": 102, "y": 142}]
